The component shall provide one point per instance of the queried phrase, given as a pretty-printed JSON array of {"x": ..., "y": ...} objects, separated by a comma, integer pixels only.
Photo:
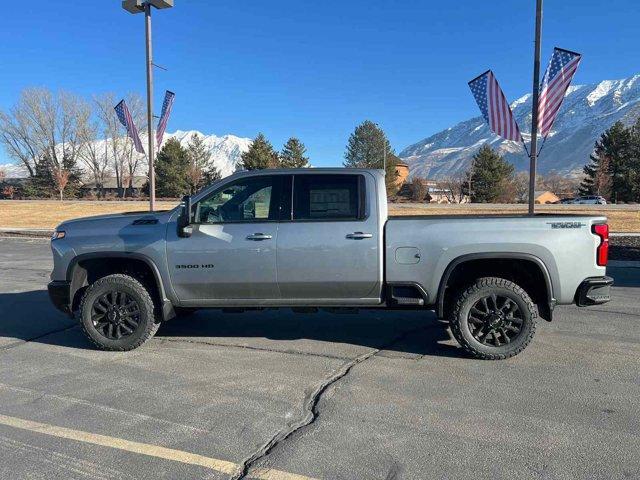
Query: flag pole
[
  {"x": 151, "y": 150},
  {"x": 534, "y": 108}
]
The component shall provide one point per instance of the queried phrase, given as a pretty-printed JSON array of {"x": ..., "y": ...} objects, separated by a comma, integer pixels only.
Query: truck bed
[{"x": 564, "y": 243}]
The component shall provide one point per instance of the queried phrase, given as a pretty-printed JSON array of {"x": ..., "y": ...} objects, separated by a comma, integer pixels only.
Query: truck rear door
[{"x": 329, "y": 248}]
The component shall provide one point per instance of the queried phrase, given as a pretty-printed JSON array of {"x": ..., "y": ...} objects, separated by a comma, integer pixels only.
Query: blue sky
[{"x": 310, "y": 69}]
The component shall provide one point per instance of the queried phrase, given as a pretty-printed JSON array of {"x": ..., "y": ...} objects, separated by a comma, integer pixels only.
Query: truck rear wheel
[
  {"x": 493, "y": 318},
  {"x": 117, "y": 313}
]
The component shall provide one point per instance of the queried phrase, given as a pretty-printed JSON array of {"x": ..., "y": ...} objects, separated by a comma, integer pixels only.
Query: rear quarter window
[{"x": 326, "y": 197}]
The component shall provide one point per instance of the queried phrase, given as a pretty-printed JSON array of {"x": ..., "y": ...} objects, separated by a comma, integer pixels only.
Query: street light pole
[
  {"x": 534, "y": 108},
  {"x": 140, "y": 6},
  {"x": 151, "y": 144},
  {"x": 384, "y": 158}
]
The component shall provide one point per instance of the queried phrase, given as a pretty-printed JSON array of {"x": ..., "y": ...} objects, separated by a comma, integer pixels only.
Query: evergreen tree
[
  {"x": 293, "y": 154},
  {"x": 43, "y": 184},
  {"x": 491, "y": 177},
  {"x": 615, "y": 145},
  {"x": 634, "y": 162},
  {"x": 368, "y": 147},
  {"x": 260, "y": 155},
  {"x": 201, "y": 169},
  {"x": 211, "y": 174},
  {"x": 614, "y": 170},
  {"x": 172, "y": 165},
  {"x": 74, "y": 175},
  {"x": 596, "y": 179}
]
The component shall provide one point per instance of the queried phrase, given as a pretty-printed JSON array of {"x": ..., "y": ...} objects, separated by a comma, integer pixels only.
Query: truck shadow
[
  {"x": 29, "y": 316},
  {"x": 403, "y": 332}
]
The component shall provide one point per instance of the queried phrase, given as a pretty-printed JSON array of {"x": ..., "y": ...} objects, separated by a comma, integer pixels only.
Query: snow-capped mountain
[
  {"x": 587, "y": 111},
  {"x": 225, "y": 152},
  {"x": 13, "y": 171}
]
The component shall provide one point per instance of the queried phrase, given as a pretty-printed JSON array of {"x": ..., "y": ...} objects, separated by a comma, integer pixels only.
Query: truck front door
[{"x": 231, "y": 254}]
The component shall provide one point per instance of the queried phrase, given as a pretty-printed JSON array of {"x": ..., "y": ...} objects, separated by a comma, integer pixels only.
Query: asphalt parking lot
[{"x": 277, "y": 395}]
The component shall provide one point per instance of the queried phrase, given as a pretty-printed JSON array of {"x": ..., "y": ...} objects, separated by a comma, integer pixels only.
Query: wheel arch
[
  {"x": 484, "y": 264},
  {"x": 88, "y": 267}
]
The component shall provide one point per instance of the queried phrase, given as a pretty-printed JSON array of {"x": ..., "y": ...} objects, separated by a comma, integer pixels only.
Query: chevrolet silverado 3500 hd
[{"x": 323, "y": 238}]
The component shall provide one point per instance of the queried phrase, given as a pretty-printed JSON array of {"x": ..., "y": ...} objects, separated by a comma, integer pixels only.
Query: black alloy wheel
[
  {"x": 115, "y": 314},
  {"x": 495, "y": 320}
]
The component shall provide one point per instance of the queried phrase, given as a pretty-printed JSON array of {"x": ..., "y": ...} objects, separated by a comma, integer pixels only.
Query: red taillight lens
[{"x": 602, "y": 253}]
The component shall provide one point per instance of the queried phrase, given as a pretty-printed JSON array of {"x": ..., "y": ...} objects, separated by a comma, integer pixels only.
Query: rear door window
[{"x": 327, "y": 197}]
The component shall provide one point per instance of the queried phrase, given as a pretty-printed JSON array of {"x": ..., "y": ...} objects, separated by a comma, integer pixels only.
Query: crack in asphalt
[{"x": 310, "y": 408}]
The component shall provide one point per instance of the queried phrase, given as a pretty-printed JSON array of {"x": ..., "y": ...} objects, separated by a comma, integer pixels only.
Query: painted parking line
[{"x": 222, "y": 466}]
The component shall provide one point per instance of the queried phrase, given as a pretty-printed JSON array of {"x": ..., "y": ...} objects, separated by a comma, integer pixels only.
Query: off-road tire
[
  {"x": 147, "y": 322},
  {"x": 486, "y": 287}
]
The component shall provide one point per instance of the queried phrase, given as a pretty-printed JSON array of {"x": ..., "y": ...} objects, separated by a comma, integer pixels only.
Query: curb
[{"x": 25, "y": 230}]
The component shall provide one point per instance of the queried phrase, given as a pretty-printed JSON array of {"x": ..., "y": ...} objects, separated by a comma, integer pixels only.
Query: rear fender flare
[{"x": 493, "y": 255}]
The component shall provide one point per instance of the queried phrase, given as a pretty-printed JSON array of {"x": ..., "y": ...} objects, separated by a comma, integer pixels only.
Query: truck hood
[
  {"x": 115, "y": 220},
  {"x": 125, "y": 232}
]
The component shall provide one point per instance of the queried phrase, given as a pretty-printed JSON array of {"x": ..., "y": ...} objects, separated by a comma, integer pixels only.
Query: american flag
[
  {"x": 556, "y": 80},
  {"x": 494, "y": 106},
  {"x": 164, "y": 116},
  {"x": 125, "y": 119}
]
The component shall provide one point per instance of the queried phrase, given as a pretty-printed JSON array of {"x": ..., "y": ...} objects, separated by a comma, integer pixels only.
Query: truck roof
[{"x": 375, "y": 171}]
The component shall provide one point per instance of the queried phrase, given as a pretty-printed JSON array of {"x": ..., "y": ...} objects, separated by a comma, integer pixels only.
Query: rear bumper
[
  {"x": 594, "y": 291},
  {"x": 59, "y": 295}
]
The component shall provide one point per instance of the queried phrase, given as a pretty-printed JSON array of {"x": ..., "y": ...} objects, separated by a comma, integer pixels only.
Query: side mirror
[{"x": 185, "y": 229}]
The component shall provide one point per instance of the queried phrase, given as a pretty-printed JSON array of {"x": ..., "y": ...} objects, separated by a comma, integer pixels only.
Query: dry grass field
[
  {"x": 47, "y": 214},
  {"x": 622, "y": 218}
]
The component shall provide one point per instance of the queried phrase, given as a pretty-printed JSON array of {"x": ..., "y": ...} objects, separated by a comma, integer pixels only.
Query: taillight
[{"x": 602, "y": 252}]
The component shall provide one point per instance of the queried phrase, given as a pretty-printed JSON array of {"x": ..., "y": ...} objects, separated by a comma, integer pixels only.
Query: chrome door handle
[
  {"x": 259, "y": 236},
  {"x": 359, "y": 235}
]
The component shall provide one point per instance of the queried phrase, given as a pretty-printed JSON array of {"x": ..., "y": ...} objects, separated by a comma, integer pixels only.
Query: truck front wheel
[
  {"x": 117, "y": 313},
  {"x": 493, "y": 318}
]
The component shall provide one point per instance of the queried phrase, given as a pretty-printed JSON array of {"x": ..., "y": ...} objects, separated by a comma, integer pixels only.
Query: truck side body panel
[
  {"x": 564, "y": 244},
  {"x": 314, "y": 263}
]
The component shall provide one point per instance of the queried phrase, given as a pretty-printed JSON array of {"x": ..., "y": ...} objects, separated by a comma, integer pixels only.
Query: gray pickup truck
[{"x": 322, "y": 238}]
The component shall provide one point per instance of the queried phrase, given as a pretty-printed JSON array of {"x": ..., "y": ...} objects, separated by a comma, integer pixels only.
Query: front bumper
[
  {"x": 59, "y": 295},
  {"x": 594, "y": 291}
]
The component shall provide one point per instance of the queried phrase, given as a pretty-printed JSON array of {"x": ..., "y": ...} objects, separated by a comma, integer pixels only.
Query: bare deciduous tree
[
  {"x": 44, "y": 124},
  {"x": 17, "y": 135},
  {"x": 61, "y": 178},
  {"x": 564, "y": 186},
  {"x": 521, "y": 186},
  {"x": 133, "y": 159},
  {"x": 9, "y": 191},
  {"x": 94, "y": 154},
  {"x": 454, "y": 187},
  {"x": 113, "y": 133},
  {"x": 122, "y": 153}
]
